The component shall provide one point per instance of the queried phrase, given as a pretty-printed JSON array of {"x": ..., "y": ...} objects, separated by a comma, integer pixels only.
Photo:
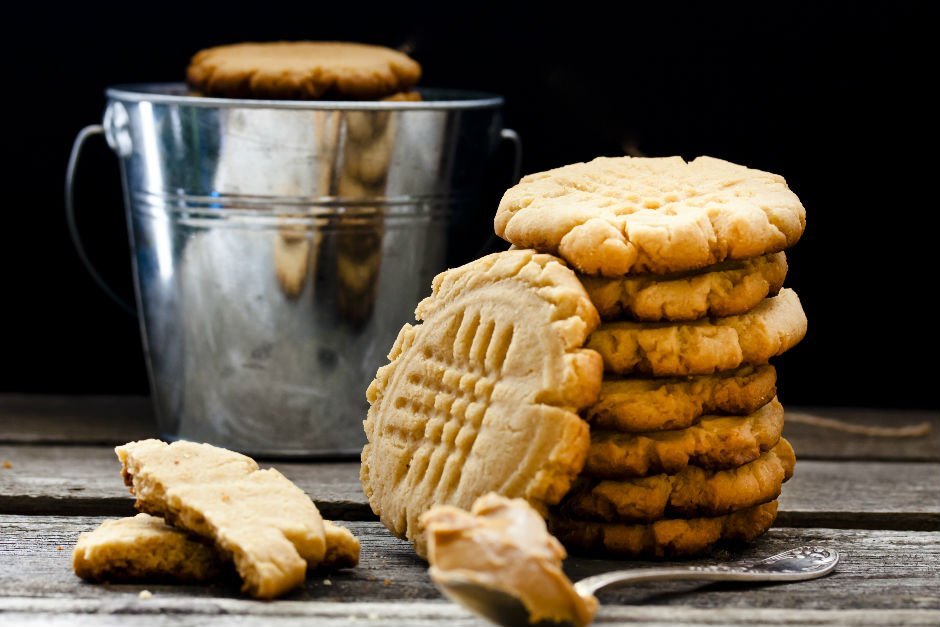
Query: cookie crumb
[
  {"x": 386, "y": 582},
  {"x": 60, "y": 548},
  {"x": 327, "y": 582},
  {"x": 7, "y": 464},
  {"x": 145, "y": 594}
]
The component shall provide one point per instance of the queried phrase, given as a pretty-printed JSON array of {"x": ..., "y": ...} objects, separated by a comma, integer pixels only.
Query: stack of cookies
[
  {"x": 684, "y": 264},
  {"x": 625, "y": 394}
]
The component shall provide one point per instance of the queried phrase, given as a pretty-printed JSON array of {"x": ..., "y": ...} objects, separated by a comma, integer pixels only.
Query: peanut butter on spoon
[{"x": 503, "y": 547}]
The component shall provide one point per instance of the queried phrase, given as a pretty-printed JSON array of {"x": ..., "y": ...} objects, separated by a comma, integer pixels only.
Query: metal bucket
[{"x": 278, "y": 246}]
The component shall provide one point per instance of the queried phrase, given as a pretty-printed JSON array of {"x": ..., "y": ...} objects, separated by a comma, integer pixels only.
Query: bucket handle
[
  {"x": 512, "y": 137},
  {"x": 507, "y": 134},
  {"x": 84, "y": 134}
]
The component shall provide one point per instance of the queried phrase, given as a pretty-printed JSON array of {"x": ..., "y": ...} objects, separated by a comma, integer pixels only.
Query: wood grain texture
[
  {"x": 66, "y": 480},
  {"x": 813, "y": 442},
  {"x": 879, "y": 570},
  {"x": 184, "y": 613},
  {"x": 85, "y": 480}
]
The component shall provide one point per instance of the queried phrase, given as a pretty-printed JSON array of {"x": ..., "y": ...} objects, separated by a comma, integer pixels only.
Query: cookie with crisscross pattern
[
  {"x": 483, "y": 395},
  {"x": 624, "y": 215}
]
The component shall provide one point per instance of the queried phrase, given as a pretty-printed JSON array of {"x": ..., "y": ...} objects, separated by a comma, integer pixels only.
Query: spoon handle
[{"x": 805, "y": 562}]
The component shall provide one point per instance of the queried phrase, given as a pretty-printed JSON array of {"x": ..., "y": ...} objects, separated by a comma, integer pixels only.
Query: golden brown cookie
[
  {"x": 712, "y": 442},
  {"x": 483, "y": 396},
  {"x": 302, "y": 70},
  {"x": 267, "y": 525},
  {"x": 692, "y": 492},
  {"x": 616, "y": 216},
  {"x": 729, "y": 288},
  {"x": 704, "y": 346},
  {"x": 670, "y": 537},
  {"x": 143, "y": 548},
  {"x": 637, "y": 405},
  {"x": 342, "y": 547},
  {"x": 404, "y": 96}
]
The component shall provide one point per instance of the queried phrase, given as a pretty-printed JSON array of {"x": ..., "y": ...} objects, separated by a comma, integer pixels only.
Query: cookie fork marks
[
  {"x": 483, "y": 396},
  {"x": 625, "y": 215}
]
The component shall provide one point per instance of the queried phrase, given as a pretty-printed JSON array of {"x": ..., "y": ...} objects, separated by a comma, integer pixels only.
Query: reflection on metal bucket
[{"x": 279, "y": 247}]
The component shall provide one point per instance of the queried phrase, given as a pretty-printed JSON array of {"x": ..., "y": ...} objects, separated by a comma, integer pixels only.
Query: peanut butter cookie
[
  {"x": 483, "y": 396},
  {"x": 669, "y": 537},
  {"x": 702, "y": 346},
  {"x": 729, "y": 288},
  {"x": 616, "y": 216},
  {"x": 267, "y": 525},
  {"x": 143, "y": 548},
  {"x": 303, "y": 70},
  {"x": 636, "y": 405},
  {"x": 691, "y": 492},
  {"x": 712, "y": 442}
]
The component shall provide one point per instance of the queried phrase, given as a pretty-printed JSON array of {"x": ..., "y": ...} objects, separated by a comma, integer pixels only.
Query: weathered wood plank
[
  {"x": 85, "y": 480},
  {"x": 813, "y": 442},
  {"x": 63, "y": 480},
  {"x": 880, "y": 570},
  {"x": 158, "y": 612},
  {"x": 112, "y": 420},
  {"x": 865, "y": 495}
]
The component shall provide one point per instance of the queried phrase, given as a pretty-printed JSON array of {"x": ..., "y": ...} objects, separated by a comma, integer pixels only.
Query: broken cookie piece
[
  {"x": 143, "y": 548},
  {"x": 342, "y": 548},
  {"x": 267, "y": 525}
]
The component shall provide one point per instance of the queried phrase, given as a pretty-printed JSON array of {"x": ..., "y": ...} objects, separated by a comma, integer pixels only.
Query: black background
[{"x": 831, "y": 95}]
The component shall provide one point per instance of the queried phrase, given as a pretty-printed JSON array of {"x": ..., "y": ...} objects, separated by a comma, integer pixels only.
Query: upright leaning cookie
[
  {"x": 302, "y": 70},
  {"x": 483, "y": 396},
  {"x": 616, "y": 216}
]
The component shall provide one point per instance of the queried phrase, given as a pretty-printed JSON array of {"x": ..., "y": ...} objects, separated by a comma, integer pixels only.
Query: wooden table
[{"x": 876, "y": 500}]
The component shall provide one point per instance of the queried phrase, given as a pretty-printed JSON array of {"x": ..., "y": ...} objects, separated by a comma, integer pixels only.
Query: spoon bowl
[{"x": 503, "y": 608}]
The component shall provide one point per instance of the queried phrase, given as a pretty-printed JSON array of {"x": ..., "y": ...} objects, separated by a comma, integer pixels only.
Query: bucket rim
[{"x": 433, "y": 99}]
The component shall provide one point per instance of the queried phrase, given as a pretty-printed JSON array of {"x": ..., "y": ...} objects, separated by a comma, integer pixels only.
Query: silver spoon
[{"x": 799, "y": 564}]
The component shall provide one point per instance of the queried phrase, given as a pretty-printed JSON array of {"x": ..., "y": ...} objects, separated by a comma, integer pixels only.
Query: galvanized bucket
[{"x": 278, "y": 246}]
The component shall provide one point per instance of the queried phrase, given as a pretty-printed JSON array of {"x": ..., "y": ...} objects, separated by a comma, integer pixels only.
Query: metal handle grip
[
  {"x": 85, "y": 133},
  {"x": 511, "y": 136}
]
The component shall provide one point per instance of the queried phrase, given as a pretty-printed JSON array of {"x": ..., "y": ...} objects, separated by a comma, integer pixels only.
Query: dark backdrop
[{"x": 831, "y": 95}]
